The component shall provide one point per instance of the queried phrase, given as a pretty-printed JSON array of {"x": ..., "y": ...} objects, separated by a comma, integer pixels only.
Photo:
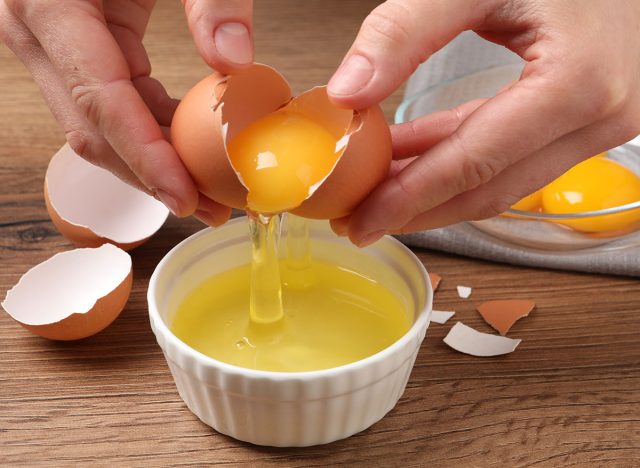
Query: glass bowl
[{"x": 541, "y": 231}]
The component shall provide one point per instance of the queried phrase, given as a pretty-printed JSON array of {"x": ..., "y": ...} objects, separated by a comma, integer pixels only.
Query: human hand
[
  {"x": 578, "y": 95},
  {"x": 89, "y": 61}
]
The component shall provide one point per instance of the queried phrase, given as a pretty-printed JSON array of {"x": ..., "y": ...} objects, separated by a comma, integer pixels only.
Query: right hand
[
  {"x": 577, "y": 96},
  {"x": 89, "y": 61}
]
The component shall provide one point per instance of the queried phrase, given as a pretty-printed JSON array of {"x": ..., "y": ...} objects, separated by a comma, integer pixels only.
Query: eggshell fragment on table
[
  {"x": 72, "y": 295},
  {"x": 435, "y": 280},
  {"x": 464, "y": 291},
  {"x": 90, "y": 206},
  {"x": 470, "y": 341},
  {"x": 441, "y": 316},
  {"x": 216, "y": 109},
  {"x": 502, "y": 314}
]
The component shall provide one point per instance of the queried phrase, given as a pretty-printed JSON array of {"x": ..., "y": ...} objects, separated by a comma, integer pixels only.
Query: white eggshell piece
[
  {"x": 441, "y": 316},
  {"x": 94, "y": 198},
  {"x": 69, "y": 282},
  {"x": 464, "y": 291},
  {"x": 470, "y": 341}
]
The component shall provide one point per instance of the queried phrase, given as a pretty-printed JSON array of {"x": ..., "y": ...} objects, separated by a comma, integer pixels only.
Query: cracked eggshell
[
  {"x": 74, "y": 294},
  {"x": 218, "y": 107},
  {"x": 363, "y": 165},
  {"x": 90, "y": 206}
]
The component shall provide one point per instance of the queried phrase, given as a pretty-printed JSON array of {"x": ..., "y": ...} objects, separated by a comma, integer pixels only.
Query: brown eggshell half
[
  {"x": 74, "y": 294},
  {"x": 90, "y": 206},
  {"x": 219, "y": 107}
]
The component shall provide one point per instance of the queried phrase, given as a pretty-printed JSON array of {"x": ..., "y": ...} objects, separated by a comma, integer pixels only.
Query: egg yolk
[
  {"x": 280, "y": 158},
  {"x": 532, "y": 202},
  {"x": 594, "y": 184}
]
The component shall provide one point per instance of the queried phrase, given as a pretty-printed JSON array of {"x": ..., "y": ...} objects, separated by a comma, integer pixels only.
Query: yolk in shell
[{"x": 280, "y": 157}]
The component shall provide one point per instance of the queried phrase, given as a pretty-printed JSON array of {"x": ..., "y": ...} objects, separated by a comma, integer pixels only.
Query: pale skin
[
  {"x": 117, "y": 116},
  {"x": 579, "y": 94}
]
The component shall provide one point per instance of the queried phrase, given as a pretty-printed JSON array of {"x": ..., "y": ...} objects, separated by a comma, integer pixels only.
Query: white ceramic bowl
[{"x": 288, "y": 408}]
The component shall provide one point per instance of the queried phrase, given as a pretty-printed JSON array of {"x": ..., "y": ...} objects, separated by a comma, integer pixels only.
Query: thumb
[
  {"x": 394, "y": 39},
  {"x": 222, "y": 31}
]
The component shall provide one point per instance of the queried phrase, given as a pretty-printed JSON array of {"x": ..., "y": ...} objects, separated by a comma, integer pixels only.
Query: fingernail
[
  {"x": 351, "y": 77},
  {"x": 233, "y": 42},
  {"x": 370, "y": 238},
  {"x": 207, "y": 218},
  {"x": 168, "y": 201}
]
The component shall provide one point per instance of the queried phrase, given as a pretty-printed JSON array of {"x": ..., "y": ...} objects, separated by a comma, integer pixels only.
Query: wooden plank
[{"x": 568, "y": 395}]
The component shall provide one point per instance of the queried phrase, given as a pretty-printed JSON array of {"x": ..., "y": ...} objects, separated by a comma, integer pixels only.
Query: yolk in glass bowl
[{"x": 594, "y": 184}]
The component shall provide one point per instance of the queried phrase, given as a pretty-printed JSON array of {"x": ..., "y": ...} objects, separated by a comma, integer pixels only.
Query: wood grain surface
[{"x": 568, "y": 395}]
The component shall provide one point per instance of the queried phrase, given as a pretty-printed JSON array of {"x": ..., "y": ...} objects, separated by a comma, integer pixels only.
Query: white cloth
[{"x": 468, "y": 54}]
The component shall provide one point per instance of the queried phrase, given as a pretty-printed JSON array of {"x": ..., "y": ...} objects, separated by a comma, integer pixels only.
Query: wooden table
[{"x": 568, "y": 395}]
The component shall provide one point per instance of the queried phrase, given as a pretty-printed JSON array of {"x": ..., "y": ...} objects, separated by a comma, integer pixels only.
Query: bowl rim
[
  {"x": 159, "y": 327},
  {"x": 400, "y": 117}
]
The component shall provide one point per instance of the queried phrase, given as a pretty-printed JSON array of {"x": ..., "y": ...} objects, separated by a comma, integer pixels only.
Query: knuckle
[
  {"x": 605, "y": 97},
  {"x": 493, "y": 207},
  {"x": 80, "y": 143},
  {"x": 86, "y": 97},
  {"x": 408, "y": 198},
  {"x": 92, "y": 98},
  {"x": 593, "y": 92},
  {"x": 90, "y": 147},
  {"x": 475, "y": 169}
]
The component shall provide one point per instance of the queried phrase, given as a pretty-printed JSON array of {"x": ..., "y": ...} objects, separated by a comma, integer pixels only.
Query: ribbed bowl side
[{"x": 299, "y": 412}]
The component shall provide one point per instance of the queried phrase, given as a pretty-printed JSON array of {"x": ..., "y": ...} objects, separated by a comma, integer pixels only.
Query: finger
[
  {"x": 394, "y": 39},
  {"x": 526, "y": 176},
  {"x": 341, "y": 225},
  {"x": 82, "y": 136},
  {"x": 107, "y": 97},
  {"x": 77, "y": 129},
  {"x": 14, "y": 33},
  {"x": 222, "y": 31},
  {"x": 212, "y": 213},
  {"x": 536, "y": 111},
  {"x": 131, "y": 15},
  {"x": 419, "y": 135},
  {"x": 154, "y": 95}
]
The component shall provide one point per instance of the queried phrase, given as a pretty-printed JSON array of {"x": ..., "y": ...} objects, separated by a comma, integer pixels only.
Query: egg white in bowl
[{"x": 288, "y": 408}]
